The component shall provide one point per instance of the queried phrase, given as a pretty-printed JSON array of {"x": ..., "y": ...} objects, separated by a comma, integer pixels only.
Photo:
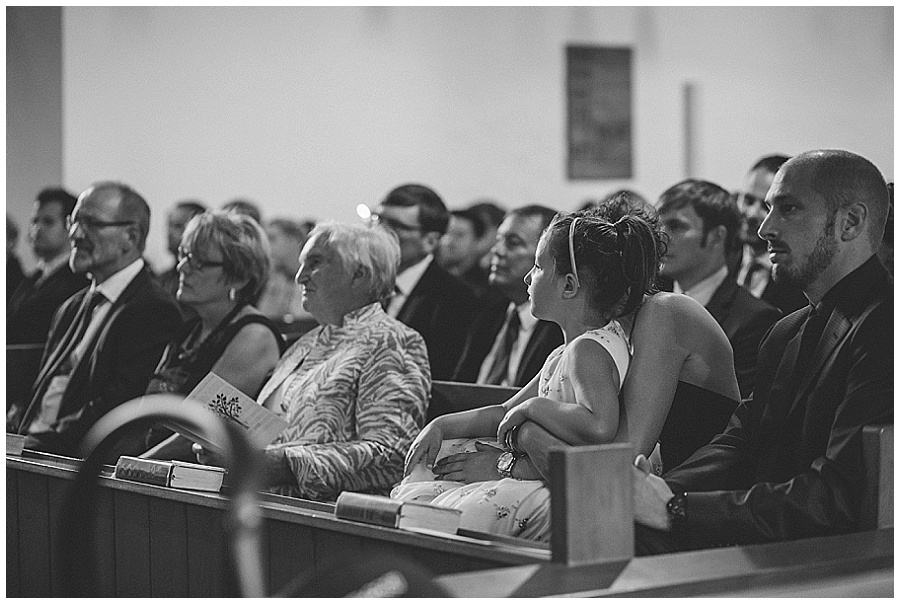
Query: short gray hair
[
  {"x": 372, "y": 247},
  {"x": 242, "y": 242}
]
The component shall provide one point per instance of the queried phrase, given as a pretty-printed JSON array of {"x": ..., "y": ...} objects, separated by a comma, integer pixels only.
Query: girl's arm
[
  {"x": 595, "y": 417},
  {"x": 462, "y": 424}
]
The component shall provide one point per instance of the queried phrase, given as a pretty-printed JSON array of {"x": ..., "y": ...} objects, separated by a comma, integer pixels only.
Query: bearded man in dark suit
[{"x": 790, "y": 463}]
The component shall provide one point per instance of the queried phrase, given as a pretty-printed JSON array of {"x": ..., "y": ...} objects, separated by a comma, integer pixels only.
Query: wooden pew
[
  {"x": 847, "y": 565},
  {"x": 155, "y": 541},
  {"x": 878, "y": 502},
  {"x": 450, "y": 397}
]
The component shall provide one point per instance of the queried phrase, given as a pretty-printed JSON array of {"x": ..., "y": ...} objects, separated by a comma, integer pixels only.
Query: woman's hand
[
  {"x": 425, "y": 447},
  {"x": 469, "y": 467},
  {"x": 207, "y": 457},
  {"x": 514, "y": 417}
]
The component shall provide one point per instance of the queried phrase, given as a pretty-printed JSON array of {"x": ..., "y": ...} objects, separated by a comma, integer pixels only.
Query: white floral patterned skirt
[{"x": 516, "y": 508}]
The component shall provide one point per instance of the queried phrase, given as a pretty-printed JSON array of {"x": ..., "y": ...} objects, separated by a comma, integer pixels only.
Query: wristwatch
[
  {"x": 677, "y": 510},
  {"x": 505, "y": 463}
]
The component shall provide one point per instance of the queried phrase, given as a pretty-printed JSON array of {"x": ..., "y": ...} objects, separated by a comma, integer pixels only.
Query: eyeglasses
[
  {"x": 92, "y": 224},
  {"x": 393, "y": 224},
  {"x": 572, "y": 250},
  {"x": 193, "y": 262}
]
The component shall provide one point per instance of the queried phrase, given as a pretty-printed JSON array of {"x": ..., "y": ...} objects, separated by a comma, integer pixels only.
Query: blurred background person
[
  {"x": 426, "y": 297},
  {"x": 176, "y": 220},
  {"x": 244, "y": 206},
  {"x": 755, "y": 270},
  {"x": 14, "y": 273},
  {"x": 281, "y": 300},
  {"x": 505, "y": 344},
  {"x": 460, "y": 253},
  {"x": 32, "y": 305},
  {"x": 492, "y": 214}
]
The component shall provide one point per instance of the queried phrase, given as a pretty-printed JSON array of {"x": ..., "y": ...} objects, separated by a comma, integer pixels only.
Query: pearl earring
[{"x": 232, "y": 294}]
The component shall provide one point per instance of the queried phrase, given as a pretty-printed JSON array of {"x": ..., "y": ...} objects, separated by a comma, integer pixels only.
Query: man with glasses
[
  {"x": 107, "y": 338},
  {"x": 427, "y": 298},
  {"x": 755, "y": 270}
]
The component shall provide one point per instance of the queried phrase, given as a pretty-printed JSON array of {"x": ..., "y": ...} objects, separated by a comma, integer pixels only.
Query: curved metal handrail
[{"x": 244, "y": 520}]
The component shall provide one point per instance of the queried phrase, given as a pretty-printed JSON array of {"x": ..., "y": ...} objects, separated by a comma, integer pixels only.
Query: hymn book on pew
[
  {"x": 176, "y": 474},
  {"x": 232, "y": 405},
  {"x": 384, "y": 511},
  {"x": 15, "y": 443}
]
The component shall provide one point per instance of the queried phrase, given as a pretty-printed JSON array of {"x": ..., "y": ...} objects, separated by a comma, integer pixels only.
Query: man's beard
[{"x": 820, "y": 259}]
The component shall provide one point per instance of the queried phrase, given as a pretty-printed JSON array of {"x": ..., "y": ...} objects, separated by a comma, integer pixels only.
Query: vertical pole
[{"x": 688, "y": 93}]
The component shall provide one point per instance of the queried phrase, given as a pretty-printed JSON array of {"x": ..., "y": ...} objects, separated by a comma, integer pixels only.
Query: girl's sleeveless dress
[{"x": 517, "y": 508}]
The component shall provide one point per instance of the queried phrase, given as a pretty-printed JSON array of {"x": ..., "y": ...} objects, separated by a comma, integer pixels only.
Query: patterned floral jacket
[{"x": 354, "y": 398}]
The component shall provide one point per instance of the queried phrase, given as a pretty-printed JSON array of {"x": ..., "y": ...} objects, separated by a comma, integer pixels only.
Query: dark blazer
[
  {"x": 439, "y": 307},
  {"x": 745, "y": 320},
  {"x": 115, "y": 368},
  {"x": 30, "y": 310},
  {"x": 545, "y": 338},
  {"x": 790, "y": 466}
]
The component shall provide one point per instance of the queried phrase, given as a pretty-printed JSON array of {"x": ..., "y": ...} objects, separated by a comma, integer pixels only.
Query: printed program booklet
[{"x": 229, "y": 403}]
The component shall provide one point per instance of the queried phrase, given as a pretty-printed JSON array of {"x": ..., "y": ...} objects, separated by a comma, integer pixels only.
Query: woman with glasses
[{"x": 223, "y": 265}]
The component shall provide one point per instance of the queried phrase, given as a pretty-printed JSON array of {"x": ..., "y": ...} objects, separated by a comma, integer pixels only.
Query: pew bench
[{"x": 155, "y": 541}]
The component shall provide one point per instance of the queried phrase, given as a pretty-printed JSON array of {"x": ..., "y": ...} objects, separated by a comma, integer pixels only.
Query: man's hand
[
  {"x": 469, "y": 467},
  {"x": 651, "y": 494}
]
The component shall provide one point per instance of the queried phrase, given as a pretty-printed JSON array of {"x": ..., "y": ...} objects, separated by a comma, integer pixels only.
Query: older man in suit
[
  {"x": 106, "y": 339},
  {"x": 789, "y": 465},
  {"x": 506, "y": 345},
  {"x": 427, "y": 297},
  {"x": 703, "y": 225}
]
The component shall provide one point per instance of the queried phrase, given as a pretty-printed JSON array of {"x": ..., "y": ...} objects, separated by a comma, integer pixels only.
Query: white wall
[{"x": 311, "y": 111}]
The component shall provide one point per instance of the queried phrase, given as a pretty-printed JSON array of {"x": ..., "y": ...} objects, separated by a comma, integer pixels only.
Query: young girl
[{"x": 587, "y": 271}]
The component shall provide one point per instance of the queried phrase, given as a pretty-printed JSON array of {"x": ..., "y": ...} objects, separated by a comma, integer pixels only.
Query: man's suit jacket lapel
[
  {"x": 58, "y": 339},
  {"x": 539, "y": 337},
  {"x": 417, "y": 296},
  {"x": 771, "y": 381},
  {"x": 836, "y": 329},
  {"x": 722, "y": 299},
  {"x": 83, "y": 372}
]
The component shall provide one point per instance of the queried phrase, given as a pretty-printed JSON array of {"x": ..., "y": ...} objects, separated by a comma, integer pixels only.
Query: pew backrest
[
  {"x": 878, "y": 500},
  {"x": 450, "y": 397}
]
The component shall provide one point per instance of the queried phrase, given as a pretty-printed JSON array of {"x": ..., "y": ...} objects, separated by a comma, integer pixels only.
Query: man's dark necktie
[
  {"x": 500, "y": 366},
  {"x": 61, "y": 363},
  {"x": 797, "y": 355}
]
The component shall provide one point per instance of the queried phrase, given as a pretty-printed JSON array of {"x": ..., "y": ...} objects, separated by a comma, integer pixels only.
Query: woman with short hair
[{"x": 223, "y": 264}]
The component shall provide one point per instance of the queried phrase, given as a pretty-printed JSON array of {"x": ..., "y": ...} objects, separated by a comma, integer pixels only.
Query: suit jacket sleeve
[
  {"x": 121, "y": 369},
  {"x": 725, "y": 503}
]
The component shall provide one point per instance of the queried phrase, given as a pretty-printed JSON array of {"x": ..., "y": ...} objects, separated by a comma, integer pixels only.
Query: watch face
[{"x": 505, "y": 462}]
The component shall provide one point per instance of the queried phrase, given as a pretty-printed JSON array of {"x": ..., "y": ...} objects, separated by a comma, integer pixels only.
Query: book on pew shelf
[
  {"x": 176, "y": 474},
  {"x": 384, "y": 511},
  {"x": 218, "y": 396},
  {"x": 15, "y": 443}
]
